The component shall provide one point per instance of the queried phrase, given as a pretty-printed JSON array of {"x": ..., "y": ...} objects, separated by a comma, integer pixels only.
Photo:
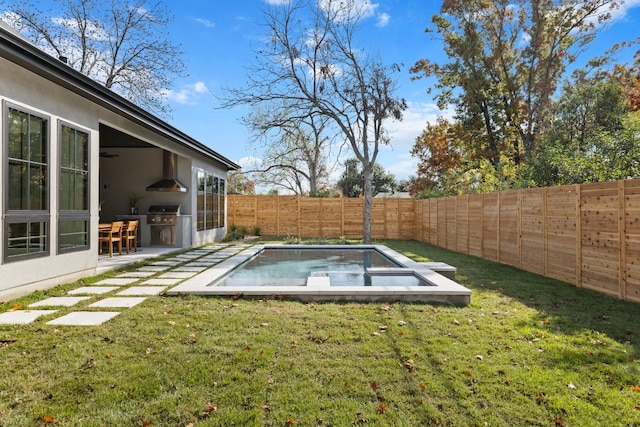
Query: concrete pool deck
[{"x": 442, "y": 289}]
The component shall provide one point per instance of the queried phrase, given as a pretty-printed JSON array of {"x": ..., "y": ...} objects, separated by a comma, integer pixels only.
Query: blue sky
[{"x": 219, "y": 39}]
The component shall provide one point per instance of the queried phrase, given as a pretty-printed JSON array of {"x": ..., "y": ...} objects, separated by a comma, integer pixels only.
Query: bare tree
[
  {"x": 310, "y": 64},
  {"x": 295, "y": 152},
  {"x": 122, "y": 44}
]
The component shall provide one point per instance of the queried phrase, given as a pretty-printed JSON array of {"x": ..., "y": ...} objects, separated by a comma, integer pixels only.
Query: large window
[
  {"x": 211, "y": 204},
  {"x": 27, "y": 185},
  {"x": 73, "y": 225}
]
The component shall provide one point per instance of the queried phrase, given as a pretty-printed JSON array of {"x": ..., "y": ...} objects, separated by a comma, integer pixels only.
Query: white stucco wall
[
  {"x": 139, "y": 168},
  {"x": 33, "y": 93}
]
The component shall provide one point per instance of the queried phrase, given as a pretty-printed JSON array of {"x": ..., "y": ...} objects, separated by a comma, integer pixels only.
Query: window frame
[
  {"x": 26, "y": 216},
  {"x": 73, "y": 215},
  {"x": 210, "y": 217}
]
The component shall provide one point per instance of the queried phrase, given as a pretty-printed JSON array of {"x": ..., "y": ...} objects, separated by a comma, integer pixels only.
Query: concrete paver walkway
[{"x": 124, "y": 291}]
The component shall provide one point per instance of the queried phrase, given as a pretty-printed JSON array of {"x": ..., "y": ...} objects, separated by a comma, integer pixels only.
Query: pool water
[{"x": 293, "y": 267}]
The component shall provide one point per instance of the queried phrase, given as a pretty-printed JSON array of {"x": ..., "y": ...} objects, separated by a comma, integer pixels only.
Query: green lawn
[{"x": 527, "y": 351}]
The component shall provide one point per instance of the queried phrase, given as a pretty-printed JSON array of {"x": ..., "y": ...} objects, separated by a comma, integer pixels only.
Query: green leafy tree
[
  {"x": 593, "y": 137},
  {"x": 238, "y": 183},
  {"x": 351, "y": 182},
  {"x": 505, "y": 59}
]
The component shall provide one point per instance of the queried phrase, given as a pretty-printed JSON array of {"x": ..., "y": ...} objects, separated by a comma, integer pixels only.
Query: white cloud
[
  {"x": 187, "y": 94},
  {"x": 250, "y": 162},
  {"x": 383, "y": 20},
  {"x": 277, "y": 2},
  {"x": 414, "y": 120},
  {"x": 621, "y": 13},
  {"x": 396, "y": 157},
  {"x": 347, "y": 10},
  {"x": 204, "y": 22},
  {"x": 93, "y": 31}
]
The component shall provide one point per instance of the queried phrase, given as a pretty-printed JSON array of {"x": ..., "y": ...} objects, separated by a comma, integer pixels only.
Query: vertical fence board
[
  {"x": 531, "y": 230},
  {"x": 490, "y": 212},
  {"x": 475, "y": 224},
  {"x": 562, "y": 220},
  {"x": 600, "y": 243},
  {"x": 508, "y": 228},
  {"x": 462, "y": 225}
]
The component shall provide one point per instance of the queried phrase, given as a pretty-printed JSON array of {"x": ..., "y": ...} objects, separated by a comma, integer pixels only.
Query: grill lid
[{"x": 164, "y": 209}]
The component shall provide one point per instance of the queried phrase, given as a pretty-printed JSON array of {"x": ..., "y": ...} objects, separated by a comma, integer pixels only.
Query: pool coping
[{"x": 443, "y": 290}]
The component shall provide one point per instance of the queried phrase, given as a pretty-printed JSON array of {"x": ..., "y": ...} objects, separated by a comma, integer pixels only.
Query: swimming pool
[{"x": 325, "y": 272}]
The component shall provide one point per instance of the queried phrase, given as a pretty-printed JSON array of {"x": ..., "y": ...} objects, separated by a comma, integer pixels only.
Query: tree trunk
[{"x": 368, "y": 203}]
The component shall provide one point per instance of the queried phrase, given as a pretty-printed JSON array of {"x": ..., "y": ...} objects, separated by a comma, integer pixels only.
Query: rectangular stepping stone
[
  {"x": 84, "y": 318},
  {"x": 190, "y": 269},
  {"x": 188, "y": 256},
  {"x": 22, "y": 317},
  {"x": 155, "y": 268},
  {"x": 93, "y": 290},
  {"x": 117, "y": 302},
  {"x": 137, "y": 274},
  {"x": 118, "y": 281},
  {"x": 59, "y": 301},
  {"x": 142, "y": 290},
  {"x": 204, "y": 264},
  {"x": 177, "y": 275},
  {"x": 164, "y": 282},
  {"x": 167, "y": 263}
]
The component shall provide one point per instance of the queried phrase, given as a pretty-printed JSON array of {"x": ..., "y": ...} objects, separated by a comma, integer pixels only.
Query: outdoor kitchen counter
[{"x": 183, "y": 231}]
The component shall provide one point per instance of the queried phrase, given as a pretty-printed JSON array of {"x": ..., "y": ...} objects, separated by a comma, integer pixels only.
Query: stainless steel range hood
[{"x": 169, "y": 181}]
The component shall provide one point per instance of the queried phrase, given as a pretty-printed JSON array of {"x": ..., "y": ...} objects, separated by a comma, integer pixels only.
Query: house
[{"x": 74, "y": 155}]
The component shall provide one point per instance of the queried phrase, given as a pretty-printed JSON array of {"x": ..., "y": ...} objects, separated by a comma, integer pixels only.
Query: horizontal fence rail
[{"x": 587, "y": 235}]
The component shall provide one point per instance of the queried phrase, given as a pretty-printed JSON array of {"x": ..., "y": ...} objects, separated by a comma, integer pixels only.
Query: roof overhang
[{"x": 20, "y": 51}]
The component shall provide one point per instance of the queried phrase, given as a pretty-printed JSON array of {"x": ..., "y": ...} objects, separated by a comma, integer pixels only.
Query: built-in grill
[{"x": 162, "y": 220}]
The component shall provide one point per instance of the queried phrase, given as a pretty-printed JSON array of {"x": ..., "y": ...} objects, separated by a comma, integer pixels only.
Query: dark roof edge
[{"x": 23, "y": 53}]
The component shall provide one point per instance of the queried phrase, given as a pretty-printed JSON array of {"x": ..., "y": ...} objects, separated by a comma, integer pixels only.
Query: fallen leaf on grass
[
  {"x": 382, "y": 407},
  {"x": 16, "y": 307},
  {"x": 211, "y": 408},
  {"x": 423, "y": 386},
  {"x": 48, "y": 419},
  {"x": 571, "y": 386},
  {"x": 456, "y": 322},
  {"x": 147, "y": 423},
  {"x": 263, "y": 324},
  {"x": 291, "y": 421},
  {"x": 635, "y": 388},
  {"x": 559, "y": 421},
  {"x": 375, "y": 334},
  {"x": 409, "y": 365},
  {"x": 479, "y": 357},
  {"x": 148, "y": 350},
  {"x": 401, "y": 323},
  {"x": 373, "y": 385}
]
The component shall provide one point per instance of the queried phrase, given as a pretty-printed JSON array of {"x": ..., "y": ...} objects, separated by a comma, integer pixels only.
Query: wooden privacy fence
[{"x": 587, "y": 235}]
